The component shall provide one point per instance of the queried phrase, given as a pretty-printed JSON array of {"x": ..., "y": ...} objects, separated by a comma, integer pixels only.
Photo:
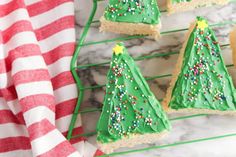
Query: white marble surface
[{"x": 183, "y": 130}]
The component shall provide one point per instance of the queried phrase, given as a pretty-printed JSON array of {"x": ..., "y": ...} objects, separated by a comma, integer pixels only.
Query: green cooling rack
[{"x": 81, "y": 88}]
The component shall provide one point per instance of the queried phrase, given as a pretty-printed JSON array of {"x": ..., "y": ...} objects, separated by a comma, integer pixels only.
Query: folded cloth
[{"x": 37, "y": 90}]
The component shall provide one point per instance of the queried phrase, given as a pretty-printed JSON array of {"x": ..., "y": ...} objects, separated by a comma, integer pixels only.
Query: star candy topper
[
  {"x": 118, "y": 49},
  {"x": 202, "y": 24}
]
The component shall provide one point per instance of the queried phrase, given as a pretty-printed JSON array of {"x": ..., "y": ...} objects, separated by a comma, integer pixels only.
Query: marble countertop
[{"x": 183, "y": 130}]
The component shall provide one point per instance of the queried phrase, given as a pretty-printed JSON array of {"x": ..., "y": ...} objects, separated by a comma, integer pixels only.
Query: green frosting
[
  {"x": 203, "y": 82},
  {"x": 133, "y": 11},
  {"x": 129, "y": 106}
]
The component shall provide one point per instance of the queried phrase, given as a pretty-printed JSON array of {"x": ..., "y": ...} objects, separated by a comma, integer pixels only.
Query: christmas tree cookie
[
  {"x": 233, "y": 45},
  {"x": 131, "y": 114},
  {"x": 133, "y": 17},
  {"x": 185, "y": 5},
  {"x": 201, "y": 82}
]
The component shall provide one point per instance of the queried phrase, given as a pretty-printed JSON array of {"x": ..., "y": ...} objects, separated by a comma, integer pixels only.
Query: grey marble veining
[{"x": 183, "y": 130}]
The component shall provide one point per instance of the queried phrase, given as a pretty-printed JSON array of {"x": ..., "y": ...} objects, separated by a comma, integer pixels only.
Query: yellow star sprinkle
[
  {"x": 202, "y": 24},
  {"x": 118, "y": 49}
]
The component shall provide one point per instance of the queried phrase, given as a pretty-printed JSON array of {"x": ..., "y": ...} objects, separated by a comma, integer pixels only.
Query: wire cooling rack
[{"x": 81, "y": 88}]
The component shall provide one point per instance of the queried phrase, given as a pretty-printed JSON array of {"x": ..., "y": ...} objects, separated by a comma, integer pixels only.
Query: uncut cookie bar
[{"x": 174, "y": 6}]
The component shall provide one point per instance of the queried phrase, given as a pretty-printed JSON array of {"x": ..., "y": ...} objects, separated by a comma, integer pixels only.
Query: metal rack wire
[{"x": 81, "y": 88}]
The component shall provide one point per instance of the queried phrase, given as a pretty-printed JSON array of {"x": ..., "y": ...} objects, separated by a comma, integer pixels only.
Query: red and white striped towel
[{"x": 37, "y": 90}]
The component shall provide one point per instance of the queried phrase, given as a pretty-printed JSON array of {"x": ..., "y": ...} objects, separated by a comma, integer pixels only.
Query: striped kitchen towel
[{"x": 37, "y": 90}]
